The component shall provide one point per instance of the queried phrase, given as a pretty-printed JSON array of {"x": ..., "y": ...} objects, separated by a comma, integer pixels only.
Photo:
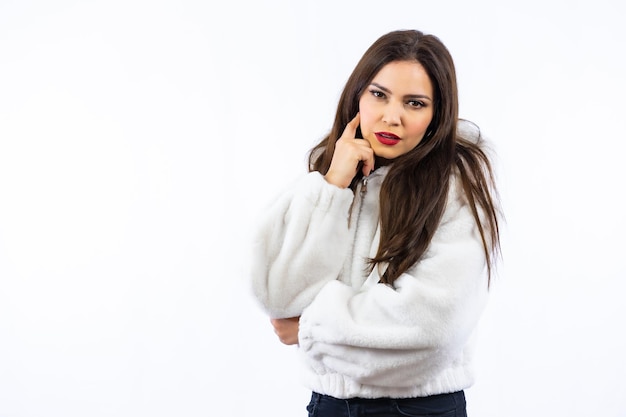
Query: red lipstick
[{"x": 387, "y": 138}]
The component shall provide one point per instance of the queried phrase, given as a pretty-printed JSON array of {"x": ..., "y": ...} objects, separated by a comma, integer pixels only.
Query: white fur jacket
[{"x": 357, "y": 337}]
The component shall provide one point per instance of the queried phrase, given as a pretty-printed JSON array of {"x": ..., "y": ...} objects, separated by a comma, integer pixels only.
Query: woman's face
[{"x": 396, "y": 108}]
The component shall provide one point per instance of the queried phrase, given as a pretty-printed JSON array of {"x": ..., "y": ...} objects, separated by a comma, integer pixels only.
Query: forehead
[{"x": 403, "y": 76}]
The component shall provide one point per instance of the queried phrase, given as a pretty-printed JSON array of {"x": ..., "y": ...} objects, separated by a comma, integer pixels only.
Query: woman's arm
[
  {"x": 398, "y": 336},
  {"x": 300, "y": 245}
]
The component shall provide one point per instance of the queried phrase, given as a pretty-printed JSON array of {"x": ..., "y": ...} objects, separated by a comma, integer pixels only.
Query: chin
[
  {"x": 381, "y": 161},
  {"x": 387, "y": 155}
]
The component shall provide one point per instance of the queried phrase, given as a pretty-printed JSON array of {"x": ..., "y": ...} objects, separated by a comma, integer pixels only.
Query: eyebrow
[{"x": 386, "y": 90}]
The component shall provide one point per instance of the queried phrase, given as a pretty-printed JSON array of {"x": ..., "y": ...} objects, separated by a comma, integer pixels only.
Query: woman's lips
[{"x": 387, "y": 138}]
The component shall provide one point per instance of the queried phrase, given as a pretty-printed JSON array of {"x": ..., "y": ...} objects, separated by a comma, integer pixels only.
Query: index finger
[{"x": 350, "y": 130}]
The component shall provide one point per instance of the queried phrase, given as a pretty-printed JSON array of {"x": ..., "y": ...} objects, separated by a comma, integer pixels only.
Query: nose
[{"x": 392, "y": 115}]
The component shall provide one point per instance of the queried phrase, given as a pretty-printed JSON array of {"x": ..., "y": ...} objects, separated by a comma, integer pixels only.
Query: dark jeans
[{"x": 442, "y": 405}]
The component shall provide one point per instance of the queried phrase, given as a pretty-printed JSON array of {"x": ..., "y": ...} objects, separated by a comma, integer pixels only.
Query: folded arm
[
  {"x": 300, "y": 245},
  {"x": 398, "y": 336}
]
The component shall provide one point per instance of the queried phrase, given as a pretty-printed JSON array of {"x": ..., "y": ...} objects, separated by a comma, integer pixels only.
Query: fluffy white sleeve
[
  {"x": 402, "y": 336},
  {"x": 300, "y": 245}
]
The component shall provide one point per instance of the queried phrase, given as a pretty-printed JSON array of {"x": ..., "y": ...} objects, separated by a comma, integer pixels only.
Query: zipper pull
[{"x": 364, "y": 186}]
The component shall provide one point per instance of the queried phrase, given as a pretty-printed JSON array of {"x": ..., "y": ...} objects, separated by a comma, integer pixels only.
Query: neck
[{"x": 381, "y": 162}]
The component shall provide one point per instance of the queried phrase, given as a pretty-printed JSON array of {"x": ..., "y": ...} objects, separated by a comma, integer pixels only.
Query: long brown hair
[{"x": 413, "y": 194}]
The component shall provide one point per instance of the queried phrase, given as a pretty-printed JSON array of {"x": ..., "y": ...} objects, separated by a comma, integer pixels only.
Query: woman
[{"x": 377, "y": 262}]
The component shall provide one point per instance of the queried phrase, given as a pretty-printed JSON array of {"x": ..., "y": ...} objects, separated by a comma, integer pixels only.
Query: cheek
[
  {"x": 418, "y": 127},
  {"x": 367, "y": 118}
]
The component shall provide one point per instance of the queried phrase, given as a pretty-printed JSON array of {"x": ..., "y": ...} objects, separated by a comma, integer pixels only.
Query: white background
[{"x": 139, "y": 139}]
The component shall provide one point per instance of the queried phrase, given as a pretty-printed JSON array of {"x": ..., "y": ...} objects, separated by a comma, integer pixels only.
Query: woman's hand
[
  {"x": 349, "y": 152},
  {"x": 287, "y": 329}
]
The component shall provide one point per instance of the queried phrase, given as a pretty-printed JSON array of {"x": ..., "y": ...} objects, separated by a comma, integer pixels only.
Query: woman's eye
[
  {"x": 416, "y": 103},
  {"x": 378, "y": 94}
]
